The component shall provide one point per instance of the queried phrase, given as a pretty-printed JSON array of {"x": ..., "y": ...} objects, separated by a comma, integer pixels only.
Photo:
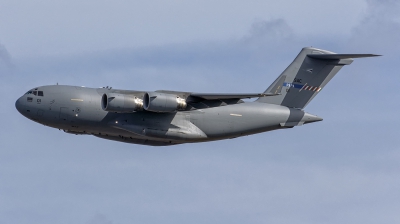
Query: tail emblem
[
  {"x": 311, "y": 88},
  {"x": 303, "y": 87}
]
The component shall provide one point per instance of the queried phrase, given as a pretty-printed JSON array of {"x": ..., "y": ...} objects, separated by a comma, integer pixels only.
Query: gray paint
[
  {"x": 206, "y": 117},
  {"x": 313, "y": 68}
]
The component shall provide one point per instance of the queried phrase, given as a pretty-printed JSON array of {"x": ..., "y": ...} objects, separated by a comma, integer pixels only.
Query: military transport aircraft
[{"x": 162, "y": 118}]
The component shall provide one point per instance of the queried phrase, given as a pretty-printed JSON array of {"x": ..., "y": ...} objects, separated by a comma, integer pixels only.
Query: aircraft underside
[{"x": 163, "y": 117}]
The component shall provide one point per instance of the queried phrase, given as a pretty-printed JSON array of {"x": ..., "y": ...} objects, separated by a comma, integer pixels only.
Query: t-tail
[{"x": 306, "y": 76}]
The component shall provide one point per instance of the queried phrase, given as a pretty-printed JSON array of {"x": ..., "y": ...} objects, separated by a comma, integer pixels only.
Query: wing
[
  {"x": 224, "y": 96},
  {"x": 194, "y": 97}
]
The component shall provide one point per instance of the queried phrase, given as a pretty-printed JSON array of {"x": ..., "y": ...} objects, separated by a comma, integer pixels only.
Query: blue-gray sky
[{"x": 342, "y": 170}]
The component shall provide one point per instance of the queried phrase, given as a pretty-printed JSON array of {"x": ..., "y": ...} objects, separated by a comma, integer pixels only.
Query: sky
[{"x": 344, "y": 169}]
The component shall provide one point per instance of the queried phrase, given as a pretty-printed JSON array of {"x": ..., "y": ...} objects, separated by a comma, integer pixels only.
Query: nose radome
[{"x": 19, "y": 105}]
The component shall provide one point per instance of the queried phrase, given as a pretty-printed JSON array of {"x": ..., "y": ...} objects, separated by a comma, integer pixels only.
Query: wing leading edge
[{"x": 276, "y": 90}]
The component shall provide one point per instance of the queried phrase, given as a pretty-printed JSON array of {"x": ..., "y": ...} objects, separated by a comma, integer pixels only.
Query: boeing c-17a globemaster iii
[{"x": 163, "y": 118}]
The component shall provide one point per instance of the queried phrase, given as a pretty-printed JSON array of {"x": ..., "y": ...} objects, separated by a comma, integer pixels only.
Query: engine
[
  {"x": 163, "y": 102},
  {"x": 121, "y": 103}
]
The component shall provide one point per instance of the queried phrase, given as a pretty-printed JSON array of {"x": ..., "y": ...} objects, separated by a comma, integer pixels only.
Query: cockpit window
[{"x": 36, "y": 93}]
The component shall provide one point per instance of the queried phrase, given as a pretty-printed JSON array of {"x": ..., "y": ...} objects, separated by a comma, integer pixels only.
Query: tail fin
[{"x": 310, "y": 71}]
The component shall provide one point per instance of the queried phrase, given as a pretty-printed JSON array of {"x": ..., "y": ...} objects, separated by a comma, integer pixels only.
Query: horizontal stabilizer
[
  {"x": 224, "y": 96},
  {"x": 340, "y": 56}
]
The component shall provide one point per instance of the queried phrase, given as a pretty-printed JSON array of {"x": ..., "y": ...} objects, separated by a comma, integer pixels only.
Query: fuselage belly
[{"x": 77, "y": 110}]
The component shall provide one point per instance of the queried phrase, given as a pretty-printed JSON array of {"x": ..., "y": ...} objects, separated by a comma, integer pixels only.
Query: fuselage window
[{"x": 40, "y": 93}]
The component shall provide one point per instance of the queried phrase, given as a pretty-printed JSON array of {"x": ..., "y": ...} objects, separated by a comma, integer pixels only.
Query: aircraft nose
[{"x": 19, "y": 105}]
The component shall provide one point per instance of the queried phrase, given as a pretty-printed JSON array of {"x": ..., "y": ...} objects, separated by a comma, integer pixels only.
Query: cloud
[
  {"x": 262, "y": 33},
  {"x": 271, "y": 30},
  {"x": 99, "y": 219},
  {"x": 266, "y": 42},
  {"x": 340, "y": 170},
  {"x": 380, "y": 27},
  {"x": 6, "y": 64}
]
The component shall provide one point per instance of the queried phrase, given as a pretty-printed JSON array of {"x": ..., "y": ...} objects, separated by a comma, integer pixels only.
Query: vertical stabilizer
[{"x": 306, "y": 76}]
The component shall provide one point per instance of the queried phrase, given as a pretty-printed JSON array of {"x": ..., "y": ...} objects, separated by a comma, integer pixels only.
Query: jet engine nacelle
[
  {"x": 163, "y": 102},
  {"x": 121, "y": 103}
]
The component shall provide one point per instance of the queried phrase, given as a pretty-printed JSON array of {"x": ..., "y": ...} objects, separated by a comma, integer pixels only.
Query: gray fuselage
[{"x": 78, "y": 110}]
